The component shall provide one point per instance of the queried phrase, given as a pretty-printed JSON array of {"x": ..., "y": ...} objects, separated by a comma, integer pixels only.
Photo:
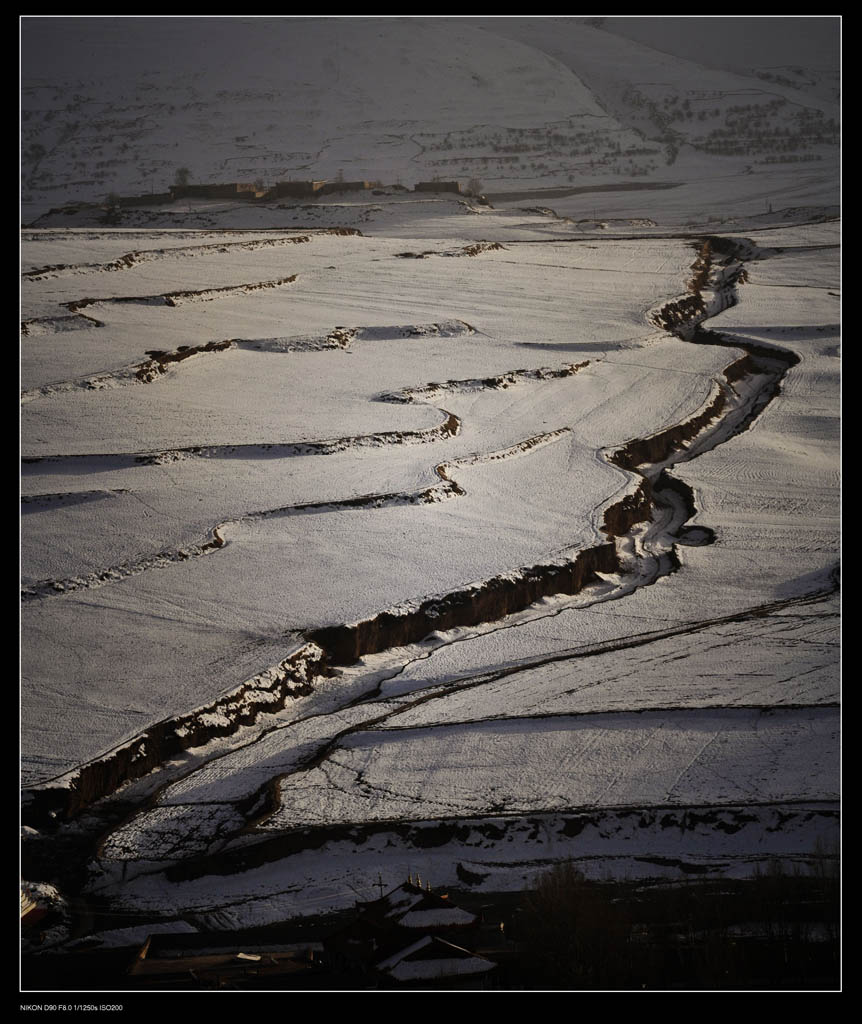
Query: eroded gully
[{"x": 643, "y": 530}]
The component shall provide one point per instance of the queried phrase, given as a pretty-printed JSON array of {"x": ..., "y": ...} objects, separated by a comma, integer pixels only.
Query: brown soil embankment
[
  {"x": 632, "y": 509},
  {"x": 177, "y": 298},
  {"x": 138, "y": 256},
  {"x": 57, "y": 324},
  {"x": 269, "y": 692},
  {"x": 341, "y": 644},
  {"x": 159, "y": 361},
  {"x": 482, "y": 832},
  {"x": 55, "y": 587},
  {"x": 662, "y": 445},
  {"x": 448, "y": 428},
  {"x": 485, "y": 602},
  {"x": 429, "y": 392},
  {"x": 680, "y": 314},
  {"x": 645, "y": 450}
]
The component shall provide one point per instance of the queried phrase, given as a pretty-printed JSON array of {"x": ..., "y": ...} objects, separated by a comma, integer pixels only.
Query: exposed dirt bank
[
  {"x": 485, "y": 602},
  {"x": 449, "y": 427},
  {"x": 467, "y": 250},
  {"x": 265, "y": 799},
  {"x": 57, "y": 324},
  {"x": 101, "y": 577},
  {"x": 269, "y": 691},
  {"x": 501, "y": 381},
  {"x": 139, "y": 373},
  {"x": 178, "y": 298},
  {"x": 717, "y": 272},
  {"x": 660, "y": 446},
  {"x": 482, "y": 832},
  {"x": 338, "y": 338},
  {"x": 138, "y": 256},
  {"x": 159, "y": 361}
]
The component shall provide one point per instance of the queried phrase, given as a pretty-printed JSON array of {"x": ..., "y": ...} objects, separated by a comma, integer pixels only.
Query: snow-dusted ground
[
  {"x": 239, "y": 429},
  {"x": 713, "y": 688},
  {"x": 629, "y": 758},
  {"x": 96, "y": 510}
]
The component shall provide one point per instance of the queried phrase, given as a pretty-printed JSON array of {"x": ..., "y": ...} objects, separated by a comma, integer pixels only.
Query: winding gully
[{"x": 75, "y": 817}]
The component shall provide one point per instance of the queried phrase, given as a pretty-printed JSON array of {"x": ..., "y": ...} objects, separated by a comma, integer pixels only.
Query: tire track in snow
[{"x": 263, "y": 798}]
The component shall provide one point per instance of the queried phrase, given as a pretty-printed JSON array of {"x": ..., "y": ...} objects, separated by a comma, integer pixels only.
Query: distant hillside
[
  {"x": 120, "y": 105},
  {"x": 676, "y": 101},
  {"x": 802, "y": 52}
]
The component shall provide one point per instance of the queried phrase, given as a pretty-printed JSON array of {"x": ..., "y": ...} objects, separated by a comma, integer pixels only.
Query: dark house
[
  {"x": 223, "y": 960},
  {"x": 437, "y": 186},
  {"x": 344, "y": 186},
  {"x": 431, "y": 962},
  {"x": 295, "y": 189},
  {"x": 231, "y": 190},
  {"x": 387, "y": 928},
  {"x": 147, "y": 199}
]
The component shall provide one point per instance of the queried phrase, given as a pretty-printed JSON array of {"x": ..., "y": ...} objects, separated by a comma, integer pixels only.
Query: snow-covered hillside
[{"x": 509, "y": 103}]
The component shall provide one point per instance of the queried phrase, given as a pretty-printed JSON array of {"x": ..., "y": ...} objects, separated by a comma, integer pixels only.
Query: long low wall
[
  {"x": 437, "y": 186},
  {"x": 282, "y": 189}
]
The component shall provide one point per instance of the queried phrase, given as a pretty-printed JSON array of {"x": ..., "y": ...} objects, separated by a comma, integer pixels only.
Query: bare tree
[
  {"x": 112, "y": 209},
  {"x": 573, "y": 933}
]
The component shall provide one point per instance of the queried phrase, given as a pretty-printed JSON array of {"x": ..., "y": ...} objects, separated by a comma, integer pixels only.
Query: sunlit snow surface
[{"x": 707, "y": 695}]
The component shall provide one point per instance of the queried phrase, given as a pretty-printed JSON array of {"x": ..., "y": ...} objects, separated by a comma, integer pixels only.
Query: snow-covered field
[
  {"x": 454, "y": 544},
  {"x": 184, "y": 533}
]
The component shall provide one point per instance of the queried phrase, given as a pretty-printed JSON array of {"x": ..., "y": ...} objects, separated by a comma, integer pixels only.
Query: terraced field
[{"x": 308, "y": 595}]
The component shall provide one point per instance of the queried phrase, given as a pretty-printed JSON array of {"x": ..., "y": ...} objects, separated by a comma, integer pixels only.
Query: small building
[
  {"x": 230, "y": 190},
  {"x": 344, "y": 186},
  {"x": 415, "y": 909},
  {"x": 395, "y": 922},
  {"x": 223, "y": 960},
  {"x": 295, "y": 189},
  {"x": 431, "y": 962},
  {"x": 437, "y": 186}
]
